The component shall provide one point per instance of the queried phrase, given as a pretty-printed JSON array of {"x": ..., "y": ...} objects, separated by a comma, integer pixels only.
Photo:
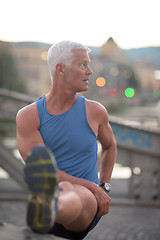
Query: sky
[{"x": 131, "y": 23}]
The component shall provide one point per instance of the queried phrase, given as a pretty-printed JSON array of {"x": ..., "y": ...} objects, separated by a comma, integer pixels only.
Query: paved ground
[
  {"x": 128, "y": 223},
  {"x": 124, "y": 222}
]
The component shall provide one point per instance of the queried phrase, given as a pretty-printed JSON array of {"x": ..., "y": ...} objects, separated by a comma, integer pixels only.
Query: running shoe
[{"x": 40, "y": 174}]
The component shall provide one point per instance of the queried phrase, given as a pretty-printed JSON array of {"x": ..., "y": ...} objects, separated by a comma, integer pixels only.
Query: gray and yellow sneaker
[{"x": 42, "y": 180}]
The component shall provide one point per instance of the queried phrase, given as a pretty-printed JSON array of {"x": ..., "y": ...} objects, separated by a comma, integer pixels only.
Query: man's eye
[{"x": 83, "y": 65}]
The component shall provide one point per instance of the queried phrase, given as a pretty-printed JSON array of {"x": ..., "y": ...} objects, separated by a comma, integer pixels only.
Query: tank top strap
[
  {"x": 81, "y": 102},
  {"x": 40, "y": 106}
]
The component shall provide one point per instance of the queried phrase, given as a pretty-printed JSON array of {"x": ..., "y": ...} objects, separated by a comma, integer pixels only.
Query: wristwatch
[{"x": 106, "y": 186}]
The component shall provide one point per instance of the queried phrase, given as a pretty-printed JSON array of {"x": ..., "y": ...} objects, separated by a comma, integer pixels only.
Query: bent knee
[
  {"x": 65, "y": 185},
  {"x": 87, "y": 197},
  {"x": 88, "y": 210}
]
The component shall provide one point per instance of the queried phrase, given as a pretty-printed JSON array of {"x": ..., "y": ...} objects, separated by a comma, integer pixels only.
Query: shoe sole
[{"x": 41, "y": 177}]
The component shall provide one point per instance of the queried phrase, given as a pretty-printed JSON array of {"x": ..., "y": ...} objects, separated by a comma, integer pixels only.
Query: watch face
[{"x": 107, "y": 187}]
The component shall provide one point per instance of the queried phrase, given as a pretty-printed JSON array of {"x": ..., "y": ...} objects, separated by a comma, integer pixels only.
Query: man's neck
[{"x": 59, "y": 101}]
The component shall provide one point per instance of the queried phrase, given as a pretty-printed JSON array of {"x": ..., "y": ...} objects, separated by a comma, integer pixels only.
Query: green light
[{"x": 129, "y": 92}]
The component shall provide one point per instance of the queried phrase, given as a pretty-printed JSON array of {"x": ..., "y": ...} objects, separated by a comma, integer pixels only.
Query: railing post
[{"x": 139, "y": 149}]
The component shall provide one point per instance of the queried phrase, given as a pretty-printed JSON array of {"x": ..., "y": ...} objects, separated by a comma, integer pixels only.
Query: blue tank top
[{"x": 71, "y": 139}]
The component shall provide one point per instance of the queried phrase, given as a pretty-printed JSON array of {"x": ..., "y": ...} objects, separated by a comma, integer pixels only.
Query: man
[{"x": 70, "y": 125}]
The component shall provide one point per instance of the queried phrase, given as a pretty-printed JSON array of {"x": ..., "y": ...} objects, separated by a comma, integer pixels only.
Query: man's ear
[{"x": 59, "y": 68}]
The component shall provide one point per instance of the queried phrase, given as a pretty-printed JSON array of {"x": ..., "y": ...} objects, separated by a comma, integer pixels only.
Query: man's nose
[{"x": 89, "y": 71}]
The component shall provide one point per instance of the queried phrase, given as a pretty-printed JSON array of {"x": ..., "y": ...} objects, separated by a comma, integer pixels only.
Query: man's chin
[{"x": 84, "y": 90}]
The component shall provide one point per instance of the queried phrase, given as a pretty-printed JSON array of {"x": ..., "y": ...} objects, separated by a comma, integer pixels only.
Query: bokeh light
[
  {"x": 137, "y": 170},
  {"x": 112, "y": 92},
  {"x": 100, "y": 82},
  {"x": 44, "y": 55},
  {"x": 129, "y": 92},
  {"x": 157, "y": 74}
]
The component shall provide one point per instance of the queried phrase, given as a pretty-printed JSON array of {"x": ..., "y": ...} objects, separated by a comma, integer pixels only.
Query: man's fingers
[
  {"x": 104, "y": 207},
  {"x": 103, "y": 201}
]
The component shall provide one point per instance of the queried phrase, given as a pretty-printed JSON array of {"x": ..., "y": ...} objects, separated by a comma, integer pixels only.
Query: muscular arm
[
  {"x": 98, "y": 119},
  {"x": 27, "y": 122},
  {"x": 108, "y": 154},
  {"x": 109, "y": 148},
  {"x": 63, "y": 176}
]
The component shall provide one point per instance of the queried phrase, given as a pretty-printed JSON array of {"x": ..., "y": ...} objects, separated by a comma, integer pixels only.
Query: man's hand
[{"x": 103, "y": 201}]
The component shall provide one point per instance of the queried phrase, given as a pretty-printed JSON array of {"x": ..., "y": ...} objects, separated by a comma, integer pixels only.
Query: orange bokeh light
[{"x": 100, "y": 82}]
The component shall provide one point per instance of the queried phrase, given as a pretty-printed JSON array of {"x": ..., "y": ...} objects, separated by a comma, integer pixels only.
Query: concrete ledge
[
  {"x": 12, "y": 232},
  {"x": 22, "y": 197},
  {"x": 133, "y": 203},
  {"x": 10, "y": 197}
]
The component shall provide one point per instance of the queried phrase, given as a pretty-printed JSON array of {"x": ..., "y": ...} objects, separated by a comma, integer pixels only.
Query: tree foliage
[
  {"x": 133, "y": 80},
  {"x": 9, "y": 76}
]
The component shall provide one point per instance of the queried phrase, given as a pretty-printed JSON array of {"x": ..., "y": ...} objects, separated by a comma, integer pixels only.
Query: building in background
[
  {"x": 115, "y": 69},
  {"x": 30, "y": 59}
]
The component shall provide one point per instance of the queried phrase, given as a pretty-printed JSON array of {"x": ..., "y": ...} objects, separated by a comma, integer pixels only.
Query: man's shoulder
[
  {"x": 28, "y": 109},
  {"x": 97, "y": 110},
  {"x": 27, "y": 112},
  {"x": 94, "y": 105}
]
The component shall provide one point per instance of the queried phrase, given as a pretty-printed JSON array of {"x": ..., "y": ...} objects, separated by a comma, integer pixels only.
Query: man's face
[{"x": 78, "y": 73}]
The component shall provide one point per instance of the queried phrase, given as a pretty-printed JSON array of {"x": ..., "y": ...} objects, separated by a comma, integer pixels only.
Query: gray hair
[{"x": 62, "y": 53}]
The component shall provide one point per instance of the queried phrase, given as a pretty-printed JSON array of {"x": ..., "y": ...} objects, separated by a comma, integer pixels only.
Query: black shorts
[{"x": 60, "y": 231}]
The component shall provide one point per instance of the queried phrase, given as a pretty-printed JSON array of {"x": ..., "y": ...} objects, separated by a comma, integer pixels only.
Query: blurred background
[{"x": 125, "y": 58}]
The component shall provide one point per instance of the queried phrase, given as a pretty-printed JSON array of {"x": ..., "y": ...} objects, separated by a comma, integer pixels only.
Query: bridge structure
[{"x": 138, "y": 149}]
